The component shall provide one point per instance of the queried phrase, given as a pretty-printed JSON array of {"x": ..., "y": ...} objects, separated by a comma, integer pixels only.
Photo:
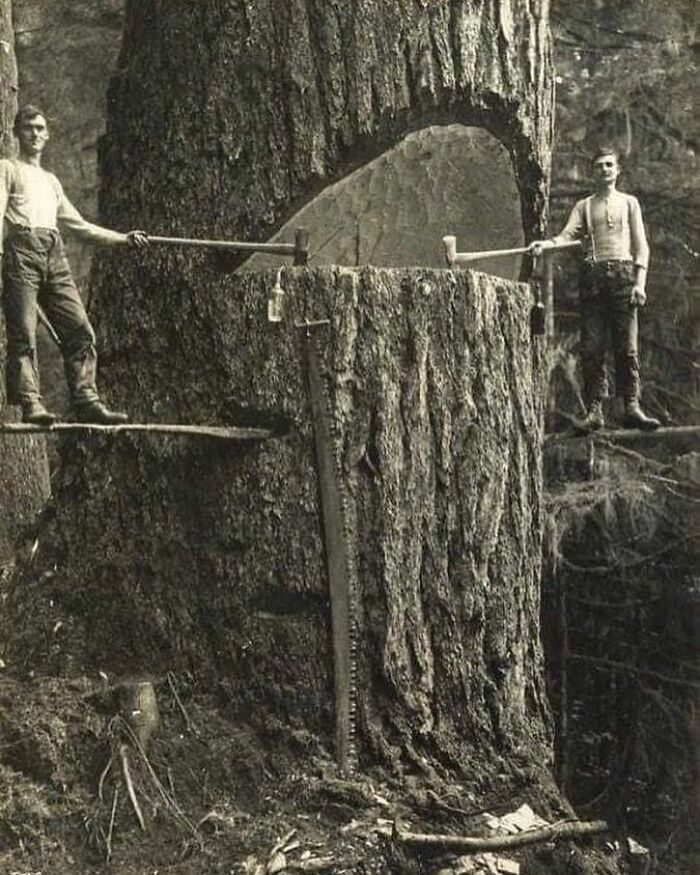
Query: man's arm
[
  {"x": 71, "y": 219},
  {"x": 640, "y": 252},
  {"x": 573, "y": 230},
  {"x": 4, "y": 195}
]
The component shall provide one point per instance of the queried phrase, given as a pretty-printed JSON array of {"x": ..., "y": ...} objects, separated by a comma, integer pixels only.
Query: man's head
[
  {"x": 605, "y": 164},
  {"x": 31, "y": 130}
]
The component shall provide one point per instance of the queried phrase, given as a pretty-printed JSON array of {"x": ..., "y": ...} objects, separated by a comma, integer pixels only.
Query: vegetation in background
[
  {"x": 621, "y": 616},
  {"x": 626, "y": 74}
]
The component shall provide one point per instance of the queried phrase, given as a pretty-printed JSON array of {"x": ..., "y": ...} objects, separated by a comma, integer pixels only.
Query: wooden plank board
[
  {"x": 225, "y": 433},
  {"x": 682, "y": 435}
]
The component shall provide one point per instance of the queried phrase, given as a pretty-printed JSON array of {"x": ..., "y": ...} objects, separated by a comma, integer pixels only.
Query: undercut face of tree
[
  {"x": 395, "y": 210},
  {"x": 24, "y": 480},
  {"x": 225, "y": 119}
]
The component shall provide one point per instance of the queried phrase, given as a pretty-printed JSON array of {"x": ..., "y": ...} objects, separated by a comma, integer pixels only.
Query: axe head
[{"x": 450, "y": 244}]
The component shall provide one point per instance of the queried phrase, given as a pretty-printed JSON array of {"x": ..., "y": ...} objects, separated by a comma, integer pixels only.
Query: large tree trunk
[
  {"x": 24, "y": 483},
  {"x": 247, "y": 110},
  {"x": 181, "y": 556},
  {"x": 172, "y": 555}
]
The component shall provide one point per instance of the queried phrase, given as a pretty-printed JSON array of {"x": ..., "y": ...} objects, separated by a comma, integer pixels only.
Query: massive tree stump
[{"x": 174, "y": 555}]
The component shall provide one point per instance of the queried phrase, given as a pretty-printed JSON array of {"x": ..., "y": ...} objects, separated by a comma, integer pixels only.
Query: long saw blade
[{"x": 339, "y": 560}]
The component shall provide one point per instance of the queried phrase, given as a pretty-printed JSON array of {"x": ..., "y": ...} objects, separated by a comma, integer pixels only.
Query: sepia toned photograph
[{"x": 349, "y": 437}]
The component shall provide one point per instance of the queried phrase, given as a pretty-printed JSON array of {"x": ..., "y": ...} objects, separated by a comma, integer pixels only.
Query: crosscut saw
[{"x": 339, "y": 558}]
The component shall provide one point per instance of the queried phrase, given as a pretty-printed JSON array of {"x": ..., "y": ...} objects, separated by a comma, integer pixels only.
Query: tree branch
[
  {"x": 630, "y": 669},
  {"x": 498, "y": 843}
]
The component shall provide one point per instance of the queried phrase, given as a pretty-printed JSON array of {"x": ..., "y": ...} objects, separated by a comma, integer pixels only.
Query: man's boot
[
  {"x": 635, "y": 417},
  {"x": 35, "y": 413},
  {"x": 97, "y": 413},
  {"x": 594, "y": 419}
]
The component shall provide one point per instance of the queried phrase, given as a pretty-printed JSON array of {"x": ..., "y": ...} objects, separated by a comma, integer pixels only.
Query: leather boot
[
  {"x": 97, "y": 413},
  {"x": 594, "y": 419},
  {"x": 35, "y": 413},
  {"x": 635, "y": 417}
]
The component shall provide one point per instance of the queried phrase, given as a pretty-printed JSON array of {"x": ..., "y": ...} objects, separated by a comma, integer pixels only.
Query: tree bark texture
[
  {"x": 166, "y": 555},
  {"x": 246, "y": 110},
  {"x": 24, "y": 483},
  {"x": 170, "y": 555}
]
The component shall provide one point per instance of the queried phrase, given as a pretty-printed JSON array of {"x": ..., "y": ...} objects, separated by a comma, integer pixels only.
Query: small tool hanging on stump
[
  {"x": 339, "y": 559},
  {"x": 538, "y": 314}
]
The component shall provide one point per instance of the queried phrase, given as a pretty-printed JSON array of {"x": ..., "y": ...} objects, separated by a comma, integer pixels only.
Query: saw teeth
[{"x": 327, "y": 432}]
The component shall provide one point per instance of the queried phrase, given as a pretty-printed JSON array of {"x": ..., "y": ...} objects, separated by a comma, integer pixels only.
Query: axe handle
[
  {"x": 454, "y": 257},
  {"x": 299, "y": 249}
]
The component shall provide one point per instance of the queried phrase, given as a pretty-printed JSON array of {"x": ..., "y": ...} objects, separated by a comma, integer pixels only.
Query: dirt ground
[{"x": 216, "y": 798}]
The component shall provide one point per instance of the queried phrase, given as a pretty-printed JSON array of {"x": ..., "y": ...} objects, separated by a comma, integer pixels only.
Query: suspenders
[{"x": 589, "y": 223}]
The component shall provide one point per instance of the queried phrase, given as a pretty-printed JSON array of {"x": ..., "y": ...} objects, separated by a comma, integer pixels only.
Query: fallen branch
[
  {"x": 170, "y": 677},
  {"x": 498, "y": 843}
]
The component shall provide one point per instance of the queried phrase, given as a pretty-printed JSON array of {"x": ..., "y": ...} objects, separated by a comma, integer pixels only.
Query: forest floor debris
[{"x": 226, "y": 800}]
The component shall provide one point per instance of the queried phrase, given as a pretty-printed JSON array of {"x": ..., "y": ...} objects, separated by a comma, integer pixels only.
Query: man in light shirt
[
  {"x": 612, "y": 287},
  {"x": 35, "y": 272}
]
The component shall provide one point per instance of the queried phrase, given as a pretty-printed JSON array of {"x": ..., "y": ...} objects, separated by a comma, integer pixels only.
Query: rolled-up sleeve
[
  {"x": 71, "y": 219},
  {"x": 573, "y": 230}
]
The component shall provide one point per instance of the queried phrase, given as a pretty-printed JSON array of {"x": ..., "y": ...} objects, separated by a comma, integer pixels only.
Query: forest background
[{"x": 622, "y": 597}]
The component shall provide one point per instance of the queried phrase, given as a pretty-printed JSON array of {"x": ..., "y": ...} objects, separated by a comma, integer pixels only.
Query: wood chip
[{"x": 278, "y": 863}]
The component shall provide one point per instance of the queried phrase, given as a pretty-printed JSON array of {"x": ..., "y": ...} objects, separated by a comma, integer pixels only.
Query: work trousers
[
  {"x": 35, "y": 271},
  {"x": 608, "y": 315}
]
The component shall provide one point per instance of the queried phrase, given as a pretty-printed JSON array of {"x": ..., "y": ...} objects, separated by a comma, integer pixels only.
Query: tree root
[
  {"x": 126, "y": 772},
  {"x": 111, "y": 823},
  {"x": 130, "y": 731}
]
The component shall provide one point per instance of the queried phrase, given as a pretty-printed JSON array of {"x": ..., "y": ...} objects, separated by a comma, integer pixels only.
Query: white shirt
[
  {"x": 33, "y": 197},
  {"x": 616, "y": 228}
]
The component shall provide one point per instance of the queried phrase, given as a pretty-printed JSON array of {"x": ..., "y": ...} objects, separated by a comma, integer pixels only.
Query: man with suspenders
[{"x": 612, "y": 287}]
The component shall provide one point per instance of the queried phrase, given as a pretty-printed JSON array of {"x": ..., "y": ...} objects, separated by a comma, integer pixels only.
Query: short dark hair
[
  {"x": 604, "y": 150},
  {"x": 27, "y": 113}
]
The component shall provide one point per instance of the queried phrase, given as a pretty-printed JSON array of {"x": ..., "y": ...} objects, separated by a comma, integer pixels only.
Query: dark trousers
[
  {"x": 608, "y": 318},
  {"x": 35, "y": 271}
]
